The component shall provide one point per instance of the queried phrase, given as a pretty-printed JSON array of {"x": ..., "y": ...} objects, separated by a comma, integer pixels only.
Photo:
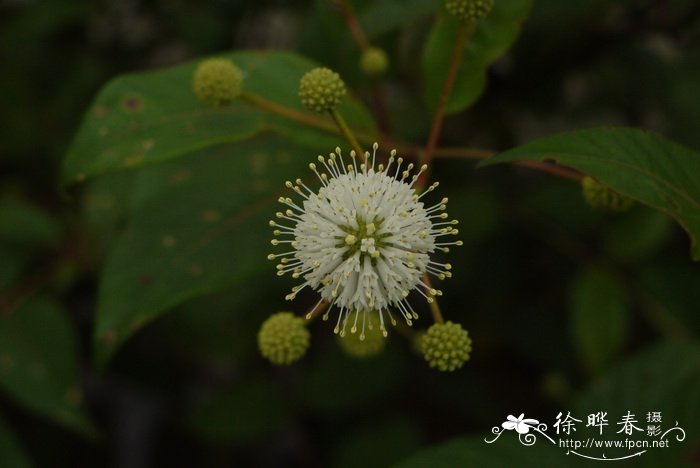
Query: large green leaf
[
  {"x": 197, "y": 225},
  {"x": 385, "y": 15},
  {"x": 639, "y": 164},
  {"x": 378, "y": 444},
  {"x": 25, "y": 233},
  {"x": 664, "y": 379},
  {"x": 490, "y": 40},
  {"x": 150, "y": 117},
  {"x": 26, "y": 225},
  {"x": 38, "y": 363},
  {"x": 599, "y": 311}
]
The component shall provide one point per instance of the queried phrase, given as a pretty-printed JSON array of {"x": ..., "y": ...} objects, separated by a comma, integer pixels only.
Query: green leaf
[
  {"x": 639, "y": 164},
  {"x": 26, "y": 225},
  {"x": 506, "y": 451},
  {"x": 25, "y": 233},
  {"x": 241, "y": 309},
  {"x": 11, "y": 452},
  {"x": 196, "y": 225},
  {"x": 239, "y": 415},
  {"x": 490, "y": 40},
  {"x": 385, "y": 15},
  {"x": 599, "y": 311},
  {"x": 150, "y": 117},
  {"x": 666, "y": 379},
  {"x": 377, "y": 445},
  {"x": 38, "y": 363}
]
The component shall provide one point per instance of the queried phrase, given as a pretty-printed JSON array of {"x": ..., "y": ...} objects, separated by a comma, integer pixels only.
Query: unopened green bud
[
  {"x": 374, "y": 61},
  {"x": 321, "y": 90},
  {"x": 217, "y": 81},
  {"x": 283, "y": 338},
  {"x": 602, "y": 197},
  {"x": 446, "y": 346},
  {"x": 363, "y": 344},
  {"x": 471, "y": 11}
]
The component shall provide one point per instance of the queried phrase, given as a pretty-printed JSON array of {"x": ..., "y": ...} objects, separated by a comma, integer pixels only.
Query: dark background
[{"x": 182, "y": 393}]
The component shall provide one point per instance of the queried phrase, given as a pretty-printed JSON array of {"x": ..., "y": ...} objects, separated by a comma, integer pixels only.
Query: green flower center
[{"x": 363, "y": 239}]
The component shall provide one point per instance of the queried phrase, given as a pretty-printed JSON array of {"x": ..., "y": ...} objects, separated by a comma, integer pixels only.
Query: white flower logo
[{"x": 521, "y": 425}]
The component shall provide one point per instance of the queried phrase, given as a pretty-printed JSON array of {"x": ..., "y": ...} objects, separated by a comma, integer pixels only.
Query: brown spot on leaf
[
  {"x": 147, "y": 145},
  {"x": 101, "y": 110},
  {"x": 145, "y": 280},
  {"x": 211, "y": 216},
  {"x": 133, "y": 160},
  {"x": 132, "y": 103},
  {"x": 179, "y": 177},
  {"x": 168, "y": 241},
  {"x": 196, "y": 270},
  {"x": 110, "y": 336}
]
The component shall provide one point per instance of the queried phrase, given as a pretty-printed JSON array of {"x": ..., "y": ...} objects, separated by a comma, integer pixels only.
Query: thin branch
[
  {"x": 456, "y": 58},
  {"x": 345, "y": 131},
  {"x": 301, "y": 117},
  {"x": 473, "y": 153},
  {"x": 348, "y": 14}
]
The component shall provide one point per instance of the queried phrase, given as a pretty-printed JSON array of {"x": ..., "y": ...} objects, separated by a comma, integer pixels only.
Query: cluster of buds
[
  {"x": 601, "y": 197},
  {"x": 364, "y": 240}
]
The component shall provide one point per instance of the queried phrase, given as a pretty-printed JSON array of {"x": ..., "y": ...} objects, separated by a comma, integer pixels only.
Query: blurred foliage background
[{"x": 569, "y": 309}]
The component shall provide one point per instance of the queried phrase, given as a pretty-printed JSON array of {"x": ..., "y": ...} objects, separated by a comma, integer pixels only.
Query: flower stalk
[{"x": 347, "y": 133}]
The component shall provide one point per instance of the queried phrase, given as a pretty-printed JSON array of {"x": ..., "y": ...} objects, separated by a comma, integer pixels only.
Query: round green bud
[
  {"x": 603, "y": 198},
  {"x": 363, "y": 345},
  {"x": 446, "y": 346},
  {"x": 217, "y": 81},
  {"x": 374, "y": 61},
  {"x": 469, "y": 10},
  {"x": 321, "y": 90},
  {"x": 283, "y": 338}
]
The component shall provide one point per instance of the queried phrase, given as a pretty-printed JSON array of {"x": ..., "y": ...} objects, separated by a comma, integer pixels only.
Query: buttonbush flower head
[
  {"x": 602, "y": 197},
  {"x": 364, "y": 240},
  {"x": 321, "y": 90},
  {"x": 217, "y": 81},
  {"x": 283, "y": 338},
  {"x": 446, "y": 346},
  {"x": 469, "y": 10},
  {"x": 365, "y": 344},
  {"x": 374, "y": 61}
]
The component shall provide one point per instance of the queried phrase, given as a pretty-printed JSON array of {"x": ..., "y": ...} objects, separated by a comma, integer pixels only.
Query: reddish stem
[{"x": 457, "y": 51}]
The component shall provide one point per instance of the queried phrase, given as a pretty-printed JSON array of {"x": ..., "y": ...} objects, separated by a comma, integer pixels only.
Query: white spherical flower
[{"x": 365, "y": 240}]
